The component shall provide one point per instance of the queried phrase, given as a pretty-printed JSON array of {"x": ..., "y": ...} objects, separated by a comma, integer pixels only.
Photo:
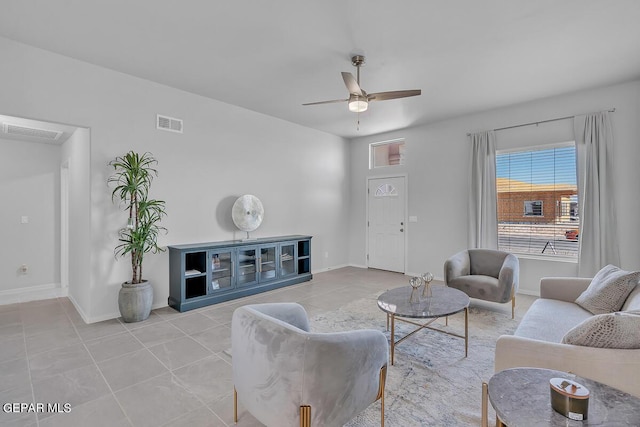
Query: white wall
[
  {"x": 76, "y": 157},
  {"x": 29, "y": 186},
  {"x": 225, "y": 151},
  {"x": 437, "y": 159}
]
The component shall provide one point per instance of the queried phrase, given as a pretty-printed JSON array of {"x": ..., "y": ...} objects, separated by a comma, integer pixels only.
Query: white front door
[{"x": 386, "y": 223}]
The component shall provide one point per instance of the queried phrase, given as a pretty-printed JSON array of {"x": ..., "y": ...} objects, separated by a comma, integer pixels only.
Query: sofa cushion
[
  {"x": 608, "y": 290},
  {"x": 633, "y": 300},
  {"x": 611, "y": 330},
  {"x": 550, "y": 319}
]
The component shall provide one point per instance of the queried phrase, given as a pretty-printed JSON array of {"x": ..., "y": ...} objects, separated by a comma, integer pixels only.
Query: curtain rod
[{"x": 613, "y": 110}]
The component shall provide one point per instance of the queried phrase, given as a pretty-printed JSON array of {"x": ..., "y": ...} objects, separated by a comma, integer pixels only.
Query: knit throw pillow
[
  {"x": 608, "y": 290},
  {"x": 633, "y": 300},
  {"x": 611, "y": 330}
]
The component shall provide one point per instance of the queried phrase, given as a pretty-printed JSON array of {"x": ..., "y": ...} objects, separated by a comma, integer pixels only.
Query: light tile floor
[{"x": 171, "y": 370}]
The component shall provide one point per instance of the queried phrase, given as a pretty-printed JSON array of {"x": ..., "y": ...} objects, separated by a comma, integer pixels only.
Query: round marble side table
[{"x": 521, "y": 398}]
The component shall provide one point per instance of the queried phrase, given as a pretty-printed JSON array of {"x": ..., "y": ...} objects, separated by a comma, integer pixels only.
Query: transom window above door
[{"x": 387, "y": 153}]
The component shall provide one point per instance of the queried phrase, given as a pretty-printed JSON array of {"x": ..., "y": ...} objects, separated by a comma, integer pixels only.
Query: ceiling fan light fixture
[{"x": 358, "y": 103}]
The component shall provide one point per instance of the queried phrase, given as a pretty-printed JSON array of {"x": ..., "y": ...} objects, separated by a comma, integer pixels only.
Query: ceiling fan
[{"x": 359, "y": 99}]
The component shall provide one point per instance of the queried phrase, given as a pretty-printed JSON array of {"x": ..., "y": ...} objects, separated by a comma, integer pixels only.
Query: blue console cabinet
[{"x": 201, "y": 274}]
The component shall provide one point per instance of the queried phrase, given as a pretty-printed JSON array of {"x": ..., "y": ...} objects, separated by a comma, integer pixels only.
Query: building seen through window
[{"x": 538, "y": 201}]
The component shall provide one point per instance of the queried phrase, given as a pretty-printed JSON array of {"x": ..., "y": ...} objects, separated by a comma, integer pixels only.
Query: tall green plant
[{"x": 132, "y": 179}]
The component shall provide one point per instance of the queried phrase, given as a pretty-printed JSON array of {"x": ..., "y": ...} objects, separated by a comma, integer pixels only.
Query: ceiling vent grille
[
  {"x": 10, "y": 129},
  {"x": 170, "y": 124}
]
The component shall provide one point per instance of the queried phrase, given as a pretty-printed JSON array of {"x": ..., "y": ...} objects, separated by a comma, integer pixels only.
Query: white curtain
[
  {"x": 483, "y": 199},
  {"x": 598, "y": 236}
]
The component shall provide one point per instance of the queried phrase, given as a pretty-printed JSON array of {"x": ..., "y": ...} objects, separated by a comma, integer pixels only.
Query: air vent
[
  {"x": 10, "y": 129},
  {"x": 170, "y": 124}
]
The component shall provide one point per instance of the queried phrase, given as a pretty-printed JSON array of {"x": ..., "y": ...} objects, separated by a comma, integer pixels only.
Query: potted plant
[{"x": 132, "y": 179}]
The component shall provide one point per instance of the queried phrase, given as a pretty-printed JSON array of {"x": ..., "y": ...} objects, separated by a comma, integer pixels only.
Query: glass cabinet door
[
  {"x": 267, "y": 264},
  {"x": 287, "y": 259},
  {"x": 221, "y": 272},
  {"x": 247, "y": 270}
]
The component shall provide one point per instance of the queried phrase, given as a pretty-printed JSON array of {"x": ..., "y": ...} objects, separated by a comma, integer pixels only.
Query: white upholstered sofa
[{"x": 537, "y": 342}]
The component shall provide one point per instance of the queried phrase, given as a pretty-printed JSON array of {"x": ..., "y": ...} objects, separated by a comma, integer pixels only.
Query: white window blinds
[{"x": 538, "y": 201}]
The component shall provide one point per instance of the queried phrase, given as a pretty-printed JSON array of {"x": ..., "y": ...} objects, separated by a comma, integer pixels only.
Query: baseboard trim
[
  {"x": 78, "y": 309},
  {"x": 33, "y": 293},
  {"x": 356, "y": 265},
  {"x": 111, "y": 316},
  {"x": 334, "y": 267},
  {"x": 528, "y": 292}
]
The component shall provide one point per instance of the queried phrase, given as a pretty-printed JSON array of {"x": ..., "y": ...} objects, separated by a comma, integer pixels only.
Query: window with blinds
[{"x": 538, "y": 201}]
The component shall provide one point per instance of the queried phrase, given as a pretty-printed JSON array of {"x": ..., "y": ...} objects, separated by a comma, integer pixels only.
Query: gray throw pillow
[
  {"x": 611, "y": 330},
  {"x": 633, "y": 300},
  {"x": 608, "y": 290}
]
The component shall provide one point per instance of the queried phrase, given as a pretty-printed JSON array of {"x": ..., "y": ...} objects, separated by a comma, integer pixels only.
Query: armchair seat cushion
[{"x": 479, "y": 286}]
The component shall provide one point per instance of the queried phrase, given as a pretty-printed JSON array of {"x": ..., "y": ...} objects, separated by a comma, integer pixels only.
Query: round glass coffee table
[{"x": 444, "y": 301}]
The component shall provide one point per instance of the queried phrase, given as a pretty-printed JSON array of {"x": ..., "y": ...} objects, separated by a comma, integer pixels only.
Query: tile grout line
[
  {"x": 26, "y": 355},
  {"x": 84, "y": 344},
  {"x": 174, "y": 379}
]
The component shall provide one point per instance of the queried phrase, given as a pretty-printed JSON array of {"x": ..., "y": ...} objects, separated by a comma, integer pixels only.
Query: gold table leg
[
  {"x": 466, "y": 331},
  {"x": 485, "y": 402},
  {"x": 393, "y": 336}
]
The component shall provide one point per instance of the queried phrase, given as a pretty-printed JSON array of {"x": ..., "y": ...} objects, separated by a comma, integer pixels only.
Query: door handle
[{"x": 402, "y": 230}]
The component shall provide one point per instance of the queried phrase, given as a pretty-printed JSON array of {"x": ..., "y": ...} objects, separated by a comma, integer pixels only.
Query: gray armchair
[
  {"x": 285, "y": 375},
  {"x": 484, "y": 274}
]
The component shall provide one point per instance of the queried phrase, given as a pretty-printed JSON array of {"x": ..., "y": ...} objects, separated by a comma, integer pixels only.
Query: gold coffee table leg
[
  {"x": 466, "y": 331},
  {"x": 393, "y": 336},
  {"x": 485, "y": 402}
]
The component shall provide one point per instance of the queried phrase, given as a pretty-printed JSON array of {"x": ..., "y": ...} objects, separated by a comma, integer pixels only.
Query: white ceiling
[{"x": 272, "y": 56}]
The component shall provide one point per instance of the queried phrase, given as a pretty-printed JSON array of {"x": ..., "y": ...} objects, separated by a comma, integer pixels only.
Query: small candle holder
[
  {"x": 415, "y": 283},
  {"x": 427, "y": 278}
]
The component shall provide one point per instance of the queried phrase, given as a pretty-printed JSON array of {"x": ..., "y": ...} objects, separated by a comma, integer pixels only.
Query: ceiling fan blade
[
  {"x": 383, "y": 96},
  {"x": 351, "y": 83},
  {"x": 326, "y": 102}
]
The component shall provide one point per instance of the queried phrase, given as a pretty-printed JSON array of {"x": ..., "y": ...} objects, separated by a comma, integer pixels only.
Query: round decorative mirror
[{"x": 247, "y": 213}]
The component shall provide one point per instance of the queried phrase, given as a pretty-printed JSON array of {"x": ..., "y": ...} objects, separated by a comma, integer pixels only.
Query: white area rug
[{"x": 431, "y": 383}]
